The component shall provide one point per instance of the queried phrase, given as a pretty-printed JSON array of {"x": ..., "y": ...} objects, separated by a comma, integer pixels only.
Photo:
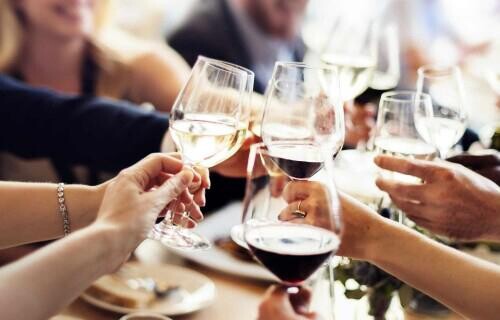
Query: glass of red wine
[
  {"x": 292, "y": 227},
  {"x": 303, "y": 117}
]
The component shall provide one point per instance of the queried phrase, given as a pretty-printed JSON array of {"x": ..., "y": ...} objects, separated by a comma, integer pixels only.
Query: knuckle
[
  {"x": 125, "y": 173},
  {"x": 445, "y": 174}
]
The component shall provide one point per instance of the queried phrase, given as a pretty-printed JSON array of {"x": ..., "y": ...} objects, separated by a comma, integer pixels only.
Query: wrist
[
  {"x": 380, "y": 239},
  {"x": 113, "y": 243},
  {"x": 83, "y": 204}
]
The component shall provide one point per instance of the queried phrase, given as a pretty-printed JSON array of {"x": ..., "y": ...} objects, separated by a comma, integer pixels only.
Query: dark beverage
[
  {"x": 299, "y": 161},
  {"x": 292, "y": 252}
]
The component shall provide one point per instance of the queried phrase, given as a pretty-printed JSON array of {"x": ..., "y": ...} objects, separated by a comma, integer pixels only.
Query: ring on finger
[{"x": 298, "y": 212}]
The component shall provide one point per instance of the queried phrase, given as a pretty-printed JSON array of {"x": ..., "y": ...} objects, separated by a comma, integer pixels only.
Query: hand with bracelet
[{"x": 112, "y": 218}]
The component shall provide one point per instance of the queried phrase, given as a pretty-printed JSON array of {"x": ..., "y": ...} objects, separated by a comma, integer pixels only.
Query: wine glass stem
[
  {"x": 169, "y": 217},
  {"x": 442, "y": 153}
]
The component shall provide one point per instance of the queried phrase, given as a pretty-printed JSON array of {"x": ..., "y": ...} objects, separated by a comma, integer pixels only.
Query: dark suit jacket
[
  {"x": 211, "y": 30},
  {"x": 101, "y": 134}
]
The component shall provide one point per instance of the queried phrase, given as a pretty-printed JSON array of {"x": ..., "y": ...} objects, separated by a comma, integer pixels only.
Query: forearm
[
  {"x": 448, "y": 275},
  {"x": 29, "y": 212},
  {"x": 42, "y": 283}
]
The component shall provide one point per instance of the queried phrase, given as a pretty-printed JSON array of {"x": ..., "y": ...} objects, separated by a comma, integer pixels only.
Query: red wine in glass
[
  {"x": 297, "y": 160},
  {"x": 292, "y": 252}
]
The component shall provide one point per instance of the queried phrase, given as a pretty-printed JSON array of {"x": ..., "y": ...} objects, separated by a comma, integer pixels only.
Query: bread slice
[{"x": 114, "y": 290}]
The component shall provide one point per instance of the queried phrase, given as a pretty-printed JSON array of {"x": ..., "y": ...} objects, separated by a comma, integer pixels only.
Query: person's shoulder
[{"x": 157, "y": 56}]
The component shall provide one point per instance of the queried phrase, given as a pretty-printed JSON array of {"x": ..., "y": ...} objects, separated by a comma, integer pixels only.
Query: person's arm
[
  {"x": 158, "y": 77},
  {"x": 102, "y": 134},
  {"x": 468, "y": 285},
  {"x": 40, "y": 284},
  {"x": 29, "y": 212},
  {"x": 45, "y": 281}
]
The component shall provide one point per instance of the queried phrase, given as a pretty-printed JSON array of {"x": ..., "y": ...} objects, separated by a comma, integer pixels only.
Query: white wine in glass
[
  {"x": 352, "y": 49},
  {"x": 207, "y": 123},
  {"x": 355, "y": 73}
]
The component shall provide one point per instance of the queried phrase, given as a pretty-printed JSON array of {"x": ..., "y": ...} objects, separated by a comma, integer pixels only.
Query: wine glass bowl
[
  {"x": 303, "y": 117},
  {"x": 443, "y": 124},
  {"x": 387, "y": 72},
  {"x": 395, "y": 130},
  {"x": 352, "y": 48}
]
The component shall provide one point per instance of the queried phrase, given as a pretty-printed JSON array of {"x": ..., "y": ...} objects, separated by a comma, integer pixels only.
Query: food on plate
[{"x": 114, "y": 289}]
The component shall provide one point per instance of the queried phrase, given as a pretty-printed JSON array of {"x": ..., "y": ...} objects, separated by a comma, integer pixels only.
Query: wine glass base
[{"x": 177, "y": 237}]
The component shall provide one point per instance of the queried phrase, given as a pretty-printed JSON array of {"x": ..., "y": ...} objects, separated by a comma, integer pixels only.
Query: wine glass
[
  {"x": 396, "y": 134},
  {"x": 443, "y": 124},
  {"x": 205, "y": 126},
  {"x": 386, "y": 74},
  {"x": 303, "y": 120},
  {"x": 352, "y": 48},
  {"x": 395, "y": 131},
  {"x": 291, "y": 226}
]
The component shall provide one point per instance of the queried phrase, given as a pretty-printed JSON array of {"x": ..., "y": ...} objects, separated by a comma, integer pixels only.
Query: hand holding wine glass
[{"x": 279, "y": 229}]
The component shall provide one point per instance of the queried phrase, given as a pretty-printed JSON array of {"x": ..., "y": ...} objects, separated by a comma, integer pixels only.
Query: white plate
[
  {"x": 218, "y": 225},
  {"x": 200, "y": 288}
]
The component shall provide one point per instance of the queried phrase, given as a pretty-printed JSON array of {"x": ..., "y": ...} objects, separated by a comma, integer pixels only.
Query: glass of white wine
[
  {"x": 443, "y": 124},
  {"x": 205, "y": 126},
  {"x": 396, "y": 134},
  {"x": 352, "y": 48}
]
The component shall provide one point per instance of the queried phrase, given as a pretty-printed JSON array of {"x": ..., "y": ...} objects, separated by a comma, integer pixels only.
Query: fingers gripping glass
[{"x": 208, "y": 124}]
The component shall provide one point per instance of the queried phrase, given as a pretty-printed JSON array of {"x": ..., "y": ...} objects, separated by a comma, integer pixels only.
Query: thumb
[{"x": 174, "y": 186}]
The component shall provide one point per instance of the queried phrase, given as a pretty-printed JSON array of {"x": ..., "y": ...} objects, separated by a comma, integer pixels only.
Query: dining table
[{"x": 236, "y": 298}]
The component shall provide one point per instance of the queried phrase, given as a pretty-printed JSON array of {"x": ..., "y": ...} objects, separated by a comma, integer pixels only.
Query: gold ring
[{"x": 299, "y": 213}]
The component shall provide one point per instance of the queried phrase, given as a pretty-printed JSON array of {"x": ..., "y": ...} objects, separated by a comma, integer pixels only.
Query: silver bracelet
[{"x": 62, "y": 208}]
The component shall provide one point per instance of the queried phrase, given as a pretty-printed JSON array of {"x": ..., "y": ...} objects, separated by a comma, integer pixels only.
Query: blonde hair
[
  {"x": 111, "y": 81},
  {"x": 11, "y": 33}
]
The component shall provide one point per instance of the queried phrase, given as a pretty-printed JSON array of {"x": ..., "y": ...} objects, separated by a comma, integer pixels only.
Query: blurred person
[
  {"x": 62, "y": 45},
  {"x": 251, "y": 33},
  {"x": 439, "y": 271},
  {"x": 254, "y": 34},
  {"x": 113, "y": 219},
  {"x": 82, "y": 130}
]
